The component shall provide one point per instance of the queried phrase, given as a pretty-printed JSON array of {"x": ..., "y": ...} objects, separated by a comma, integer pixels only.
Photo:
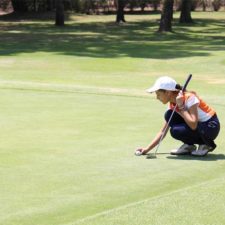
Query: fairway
[{"x": 74, "y": 108}]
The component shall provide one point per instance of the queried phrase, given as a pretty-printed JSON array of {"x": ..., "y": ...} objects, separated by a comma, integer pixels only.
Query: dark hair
[{"x": 178, "y": 87}]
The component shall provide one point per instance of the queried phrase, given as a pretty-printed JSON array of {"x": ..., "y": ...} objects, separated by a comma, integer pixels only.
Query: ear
[{"x": 169, "y": 94}]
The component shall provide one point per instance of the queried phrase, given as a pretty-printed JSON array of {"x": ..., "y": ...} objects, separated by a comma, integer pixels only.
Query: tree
[
  {"x": 20, "y": 6},
  {"x": 142, "y": 4},
  {"x": 120, "y": 11},
  {"x": 166, "y": 16},
  {"x": 204, "y": 5},
  {"x": 49, "y": 5},
  {"x": 59, "y": 17},
  {"x": 4, "y": 4},
  {"x": 185, "y": 15},
  {"x": 217, "y": 5},
  {"x": 155, "y": 4},
  {"x": 132, "y": 4}
]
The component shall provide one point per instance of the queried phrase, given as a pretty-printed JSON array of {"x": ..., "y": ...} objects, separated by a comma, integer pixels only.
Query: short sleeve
[{"x": 192, "y": 100}]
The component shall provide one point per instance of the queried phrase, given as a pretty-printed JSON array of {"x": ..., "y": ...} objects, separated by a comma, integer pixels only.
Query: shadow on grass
[
  {"x": 154, "y": 156},
  {"x": 209, "y": 157},
  {"x": 108, "y": 40}
]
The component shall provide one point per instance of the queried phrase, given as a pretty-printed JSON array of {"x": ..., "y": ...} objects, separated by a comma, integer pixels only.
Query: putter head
[{"x": 151, "y": 156}]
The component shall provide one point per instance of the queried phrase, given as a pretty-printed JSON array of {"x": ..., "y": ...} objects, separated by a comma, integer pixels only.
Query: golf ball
[{"x": 138, "y": 152}]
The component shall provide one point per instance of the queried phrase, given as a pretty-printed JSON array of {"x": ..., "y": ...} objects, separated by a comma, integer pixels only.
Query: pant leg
[
  {"x": 176, "y": 119},
  {"x": 184, "y": 133},
  {"x": 179, "y": 130},
  {"x": 205, "y": 133},
  {"x": 209, "y": 130}
]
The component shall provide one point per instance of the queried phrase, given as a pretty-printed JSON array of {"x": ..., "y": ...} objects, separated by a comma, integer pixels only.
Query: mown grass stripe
[{"x": 110, "y": 211}]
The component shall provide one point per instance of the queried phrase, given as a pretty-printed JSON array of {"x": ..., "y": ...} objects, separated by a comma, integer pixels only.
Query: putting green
[{"x": 73, "y": 113}]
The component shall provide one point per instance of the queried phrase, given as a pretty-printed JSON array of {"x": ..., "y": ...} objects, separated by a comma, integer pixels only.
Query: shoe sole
[
  {"x": 211, "y": 150},
  {"x": 200, "y": 155}
]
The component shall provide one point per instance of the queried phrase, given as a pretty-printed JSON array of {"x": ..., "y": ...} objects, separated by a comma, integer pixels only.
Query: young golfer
[{"x": 194, "y": 122}]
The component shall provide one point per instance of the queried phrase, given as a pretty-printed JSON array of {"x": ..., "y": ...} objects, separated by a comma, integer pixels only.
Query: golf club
[{"x": 164, "y": 131}]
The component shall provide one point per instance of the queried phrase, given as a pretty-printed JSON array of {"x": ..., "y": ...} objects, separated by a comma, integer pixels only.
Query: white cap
[{"x": 165, "y": 83}]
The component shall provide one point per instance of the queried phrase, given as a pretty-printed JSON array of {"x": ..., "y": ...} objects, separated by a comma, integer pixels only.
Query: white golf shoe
[
  {"x": 202, "y": 150},
  {"x": 183, "y": 150}
]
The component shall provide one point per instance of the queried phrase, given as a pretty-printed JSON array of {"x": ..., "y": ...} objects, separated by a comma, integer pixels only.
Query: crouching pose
[{"x": 194, "y": 122}]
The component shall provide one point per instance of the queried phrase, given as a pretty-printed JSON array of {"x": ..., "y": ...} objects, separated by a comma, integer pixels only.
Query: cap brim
[{"x": 151, "y": 90}]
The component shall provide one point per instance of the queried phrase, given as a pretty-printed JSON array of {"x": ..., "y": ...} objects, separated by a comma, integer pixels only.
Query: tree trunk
[
  {"x": 185, "y": 15},
  {"x": 49, "y": 5},
  {"x": 59, "y": 18},
  {"x": 204, "y": 5},
  {"x": 120, "y": 11},
  {"x": 35, "y": 5},
  {"x": 166, "y": 16}
]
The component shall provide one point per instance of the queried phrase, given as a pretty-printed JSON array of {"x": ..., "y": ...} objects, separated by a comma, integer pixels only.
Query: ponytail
[{"x": 178, "y": 87}]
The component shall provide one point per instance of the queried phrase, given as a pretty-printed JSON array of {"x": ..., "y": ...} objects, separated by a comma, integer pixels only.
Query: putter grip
[{"x": 186, "y": 83}]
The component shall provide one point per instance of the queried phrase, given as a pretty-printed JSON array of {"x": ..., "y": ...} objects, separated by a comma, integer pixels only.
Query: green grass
[{"x": 74, "y": 108}]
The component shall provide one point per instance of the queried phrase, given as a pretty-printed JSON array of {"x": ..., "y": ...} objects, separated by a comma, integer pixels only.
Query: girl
[{"x": 193, "y": 123}]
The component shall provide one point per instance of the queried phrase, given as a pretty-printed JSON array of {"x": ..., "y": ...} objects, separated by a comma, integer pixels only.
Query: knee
[{"x": 176, "y": 132}]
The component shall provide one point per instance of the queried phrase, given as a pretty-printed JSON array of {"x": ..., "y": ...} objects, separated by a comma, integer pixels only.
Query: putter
[{"x": 164, "y": 131}]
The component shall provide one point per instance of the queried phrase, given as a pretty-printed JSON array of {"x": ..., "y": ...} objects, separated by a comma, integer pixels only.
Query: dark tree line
[
  {"x": 166, "y": 14},
  {"x": 99, "y": 6},
  {"x": 119, "y": 7}
]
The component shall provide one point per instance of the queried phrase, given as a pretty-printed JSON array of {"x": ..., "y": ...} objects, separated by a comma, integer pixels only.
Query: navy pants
[{"x": 205, "y": 133}]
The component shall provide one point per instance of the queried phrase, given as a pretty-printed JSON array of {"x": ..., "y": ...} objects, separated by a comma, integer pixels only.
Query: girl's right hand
[{"x": 140, "y": 151}]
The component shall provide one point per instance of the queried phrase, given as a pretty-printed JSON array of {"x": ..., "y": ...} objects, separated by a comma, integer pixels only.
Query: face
[{"x": 163, "y": 96}]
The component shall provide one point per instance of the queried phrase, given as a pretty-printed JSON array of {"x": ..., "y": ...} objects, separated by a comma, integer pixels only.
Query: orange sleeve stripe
[
  {"x": 204, "y": 107},
  {"x": 202, "y": 104}
]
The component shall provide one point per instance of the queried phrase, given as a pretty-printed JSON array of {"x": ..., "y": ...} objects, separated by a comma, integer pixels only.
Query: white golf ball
[{"x": 138, "y": 152}]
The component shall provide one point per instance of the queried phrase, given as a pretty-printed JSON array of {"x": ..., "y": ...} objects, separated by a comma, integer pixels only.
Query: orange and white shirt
[{"x": 205, "y": 112}]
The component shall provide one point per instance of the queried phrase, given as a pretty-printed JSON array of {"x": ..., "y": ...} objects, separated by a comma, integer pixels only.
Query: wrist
[
  {"x": 145, "y": 150},
  {"x": 181, "y": 107}
]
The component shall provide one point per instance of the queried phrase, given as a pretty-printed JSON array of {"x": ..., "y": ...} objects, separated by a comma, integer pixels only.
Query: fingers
[
  {"x": 180, "y": 99},
  {"x": 138, "y": 151}
]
